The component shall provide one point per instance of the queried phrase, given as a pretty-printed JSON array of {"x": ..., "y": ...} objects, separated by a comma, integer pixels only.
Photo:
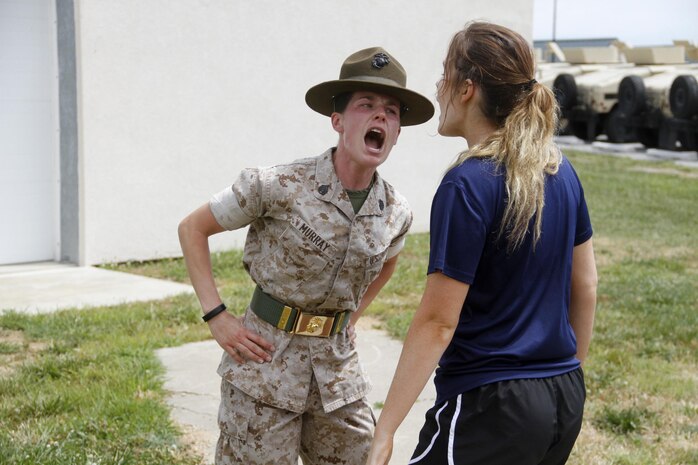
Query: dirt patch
[
  {"x": 608, "y": 251},
  {"x": 26, "y": 351},
  {"x": 592, "y": 446},
  {"x": 369, "y": 322},
  {"x": 683, "y": 174},
  {"x": 194, "y": 443},
  {"x": 11, "y": 337},
  {"x": 666, "y": 418}
]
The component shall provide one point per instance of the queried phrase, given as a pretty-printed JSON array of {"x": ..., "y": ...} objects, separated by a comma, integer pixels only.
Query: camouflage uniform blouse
[{"x": 307, "y": 248}]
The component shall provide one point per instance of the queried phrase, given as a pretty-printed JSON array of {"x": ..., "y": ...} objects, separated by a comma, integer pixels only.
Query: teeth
[{"x": 375, "y": 137}]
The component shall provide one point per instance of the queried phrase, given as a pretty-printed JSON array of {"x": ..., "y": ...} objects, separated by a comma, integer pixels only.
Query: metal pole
[{"x": 554, "y": 17}]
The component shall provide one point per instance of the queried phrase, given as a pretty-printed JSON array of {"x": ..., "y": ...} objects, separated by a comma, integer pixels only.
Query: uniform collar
[{"x": 329, "y": 188}]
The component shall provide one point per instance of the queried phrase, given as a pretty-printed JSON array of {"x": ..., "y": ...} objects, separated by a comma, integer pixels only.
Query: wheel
[
  {"x": 579, "y": 129},
  {"x": 618, "y": 129},
  {"x": 585, "y": 130},
  {"x": 649, "y": 137},
  {"x": 688, "y": 140},
  {"x": 668, "y": 137},
  {"x": 683, "y": 96},
  {"x": 565, "y": 88},
  {"x": 631, "y": 95}
]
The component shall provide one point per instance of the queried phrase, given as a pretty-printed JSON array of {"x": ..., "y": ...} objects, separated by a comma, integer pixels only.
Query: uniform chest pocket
[
  {"x": 374, "y": 265},
  {"x": 295, "y": 261}
]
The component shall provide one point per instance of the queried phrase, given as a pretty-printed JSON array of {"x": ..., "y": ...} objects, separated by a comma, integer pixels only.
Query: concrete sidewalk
[
  {"x": 49, "y": 286},
  {"x": 194, "y": 388}
]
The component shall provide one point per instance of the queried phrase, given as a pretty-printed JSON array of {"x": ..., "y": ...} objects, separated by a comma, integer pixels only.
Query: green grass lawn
[{"x": 85, "y": 386}]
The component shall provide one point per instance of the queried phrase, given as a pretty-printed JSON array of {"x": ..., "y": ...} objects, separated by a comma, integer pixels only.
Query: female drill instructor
[
  {"x": 511, "y": 289},
  {"x": 324, "y": 234}
]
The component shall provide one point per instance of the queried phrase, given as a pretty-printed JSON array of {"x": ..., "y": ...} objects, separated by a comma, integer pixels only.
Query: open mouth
[{"x": 375, "y": 138}]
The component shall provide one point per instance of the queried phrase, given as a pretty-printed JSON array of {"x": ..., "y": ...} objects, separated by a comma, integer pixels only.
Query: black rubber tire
[
  {"x": 689, "y": 140},
  {"x": 649, "y": 137},
  {"x": 618, "y": 129},
  {"x": 631, "y": 95},
  {"x": 565, "y": 88},
  {"x": 580, "y": 129},
  {"x": 683, "y": 96},
  {"x": 668, "y": 137}
]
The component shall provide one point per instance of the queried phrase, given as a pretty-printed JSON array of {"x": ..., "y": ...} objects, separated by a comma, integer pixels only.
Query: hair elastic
[{"x": 528, "y": 85}]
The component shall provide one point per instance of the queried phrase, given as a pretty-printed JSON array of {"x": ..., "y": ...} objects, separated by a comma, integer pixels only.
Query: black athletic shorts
[{"x": 521, "y": 421}]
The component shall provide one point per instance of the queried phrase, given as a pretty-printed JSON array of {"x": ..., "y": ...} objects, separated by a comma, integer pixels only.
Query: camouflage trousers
[{"x": 255, "y": 433}]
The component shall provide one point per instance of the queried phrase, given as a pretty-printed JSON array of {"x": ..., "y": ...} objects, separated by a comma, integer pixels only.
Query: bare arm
[
  {"x": 229, "y": 332},
  {"x": 194, "y": 231},
  {"x": 430, "y": 333},
  {"x": 583, "y": 296}
]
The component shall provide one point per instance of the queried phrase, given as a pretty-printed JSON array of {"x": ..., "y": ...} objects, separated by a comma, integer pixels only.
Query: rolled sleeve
[
  {"x": 239, "y": 205},
  {"x": 399, "y": 242},
  {"x": 227, "y": 211},
  {"x": 395, "y": 248}
]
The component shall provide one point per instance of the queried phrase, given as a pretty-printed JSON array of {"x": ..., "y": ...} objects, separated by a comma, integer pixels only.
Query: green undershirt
[{"x": 357, "y": 198}]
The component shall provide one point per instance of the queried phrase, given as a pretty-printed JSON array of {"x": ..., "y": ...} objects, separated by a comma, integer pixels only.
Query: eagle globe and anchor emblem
[{"x": 315, "y": 325}]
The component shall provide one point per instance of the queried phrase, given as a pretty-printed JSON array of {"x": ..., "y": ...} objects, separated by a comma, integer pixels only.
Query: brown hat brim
[{"x": 418, "y": 108}]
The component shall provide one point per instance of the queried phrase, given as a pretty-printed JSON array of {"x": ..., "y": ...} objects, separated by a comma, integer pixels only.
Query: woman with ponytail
[{"x": 508, "y": 308}]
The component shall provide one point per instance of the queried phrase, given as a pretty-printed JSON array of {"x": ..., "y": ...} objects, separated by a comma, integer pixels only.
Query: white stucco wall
[{"x": 177, "y": 96}]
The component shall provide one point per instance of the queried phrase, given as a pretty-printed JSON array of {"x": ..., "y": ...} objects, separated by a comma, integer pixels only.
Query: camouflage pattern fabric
[
  {"x": 305, "y": 245},
  {"x": 284, "y": 382},
  {"x": 307, "y": 248},
  {"x": 254, "y": 433}
]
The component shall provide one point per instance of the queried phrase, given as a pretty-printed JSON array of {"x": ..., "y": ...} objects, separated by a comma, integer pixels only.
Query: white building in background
[{"x": 118, "y": 117}]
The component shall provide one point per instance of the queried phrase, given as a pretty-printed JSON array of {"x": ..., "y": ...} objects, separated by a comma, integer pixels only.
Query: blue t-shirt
[{"x": 514, "y": 321}]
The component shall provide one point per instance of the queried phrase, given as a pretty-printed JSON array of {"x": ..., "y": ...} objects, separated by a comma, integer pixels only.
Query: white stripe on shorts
[
  {"x": 452, "y": 431},
  {"x": 433, "y": 439}
]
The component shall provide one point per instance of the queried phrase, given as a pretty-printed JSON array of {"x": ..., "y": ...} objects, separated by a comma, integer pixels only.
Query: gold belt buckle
[
  {"x": 285, "y": 315},
  {"x": 313, "y": 325}
]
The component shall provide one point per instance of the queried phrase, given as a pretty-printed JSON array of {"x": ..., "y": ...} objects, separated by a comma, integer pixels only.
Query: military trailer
[
  {"x": 683, "y": 102},
  {"x": 547, "y": 72},
  {"x": 589, "y": 102},
  {"x": 586, "y": 100},
  {"x": 577, "y": 61},
  {"x": 644, "y": 111}
]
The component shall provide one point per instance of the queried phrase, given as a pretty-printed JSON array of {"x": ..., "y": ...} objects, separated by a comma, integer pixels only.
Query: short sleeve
[
  {"x": 583, "y": 231},
  {"x": 399, "y": 242},
  {"x": 458, "y": 231},
  {"x": 238, "y": 205}
]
